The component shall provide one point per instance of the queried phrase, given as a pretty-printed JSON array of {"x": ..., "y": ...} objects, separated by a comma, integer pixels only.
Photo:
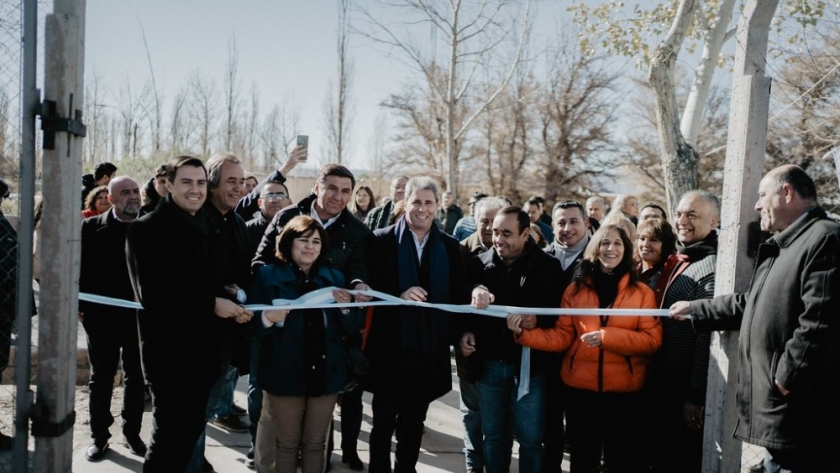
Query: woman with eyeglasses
[{"x": 604, "y": 367}]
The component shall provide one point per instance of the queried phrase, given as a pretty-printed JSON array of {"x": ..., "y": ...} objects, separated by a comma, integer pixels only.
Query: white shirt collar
[{"x": 314, "y": 214}]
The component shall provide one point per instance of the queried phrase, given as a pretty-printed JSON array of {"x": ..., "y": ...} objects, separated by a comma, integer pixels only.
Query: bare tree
[
  {"x": 154, "y": 109},
  {"x": 250, "y": 135},
  {"x": 231, "y": 94},
  {"x": 470, "y": 32},
  {"x": 338, "y": 108},
  {"x": 179, "y": 122},
  {"x": 279, "y": 129},
  {"x": 420, "y": 127},
  {"x": 579, "y": 105},
  {"x": 642, "y": 150},
  {"x": 679, "y": 158},
  {"x": 203, "y": 102},
  {"x": 95, "y": 118},
  {"x": 129, "y": 105}
]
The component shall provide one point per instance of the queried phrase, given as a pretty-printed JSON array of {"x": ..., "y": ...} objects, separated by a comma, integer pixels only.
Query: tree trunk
[
  {"x": 679, "y": 158},
  {"x": 712, "y": 44}
]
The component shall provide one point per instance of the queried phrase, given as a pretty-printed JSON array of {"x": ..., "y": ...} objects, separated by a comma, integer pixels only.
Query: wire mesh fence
[
  {"x": 11, "y": 66},
  {"x": 11, "y": 29}
]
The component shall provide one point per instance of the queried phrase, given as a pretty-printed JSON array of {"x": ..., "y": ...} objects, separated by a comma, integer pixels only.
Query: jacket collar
[
  {"x": 305, "y": 207},
  {"x": 787, "y": 236}
]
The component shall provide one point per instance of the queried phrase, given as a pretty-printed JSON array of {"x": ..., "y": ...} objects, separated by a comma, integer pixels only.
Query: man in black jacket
[
  {"x": 789, "y": 343},
  {"x": 171, "y": 270},
  {"x": 104, "y": 272},
  {"x": 346, "y": 252},
  {"x": 380, "y": 216},
  {"x": 230, "y": 253},
  {"x": 327, "y": 204},
  {"x": 517, "y": 273},
  {"x": 274, "y": 197},
  {"x": 8, "y": 289},
  {"x": 409, "y": 347}
]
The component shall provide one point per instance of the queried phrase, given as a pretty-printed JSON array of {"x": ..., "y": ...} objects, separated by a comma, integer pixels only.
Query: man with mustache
[{"x": 111, "y": 329}]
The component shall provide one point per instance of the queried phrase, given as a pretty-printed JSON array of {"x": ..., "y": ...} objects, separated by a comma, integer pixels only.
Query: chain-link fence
[
  {"x": 11, "y": 347},
  {"x": 11, "y": 30}
]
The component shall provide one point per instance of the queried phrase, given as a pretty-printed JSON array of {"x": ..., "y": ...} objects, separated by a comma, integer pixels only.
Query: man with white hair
[{"x": 408, "y": 347}]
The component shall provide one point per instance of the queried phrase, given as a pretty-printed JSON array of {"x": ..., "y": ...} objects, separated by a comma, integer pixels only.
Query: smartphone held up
[{"x": 303, "y": 141}]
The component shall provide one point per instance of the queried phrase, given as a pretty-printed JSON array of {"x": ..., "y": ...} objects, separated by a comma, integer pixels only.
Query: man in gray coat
[{"x": 789, "y": 345}]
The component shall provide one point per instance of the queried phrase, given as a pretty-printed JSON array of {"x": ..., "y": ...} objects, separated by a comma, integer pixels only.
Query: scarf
[
  {"x": 698, "y": 250},
  {"x": 421, "y": 330},
  {"x": 567, "y": 254}
]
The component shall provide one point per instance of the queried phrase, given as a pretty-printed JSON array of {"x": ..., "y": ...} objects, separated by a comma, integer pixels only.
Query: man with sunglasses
[
  {"x": 274, "y": 196},
  {"x": 249, "y": 206}
]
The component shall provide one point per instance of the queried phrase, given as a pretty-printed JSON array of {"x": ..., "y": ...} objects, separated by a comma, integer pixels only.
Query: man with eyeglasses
[
  {"x": 273, "y": 197},
  {"x": 249, "y": 206}
]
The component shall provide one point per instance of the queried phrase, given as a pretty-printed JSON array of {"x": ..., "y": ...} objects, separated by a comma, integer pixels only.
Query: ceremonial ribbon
[{"x": 323, "y": 299}]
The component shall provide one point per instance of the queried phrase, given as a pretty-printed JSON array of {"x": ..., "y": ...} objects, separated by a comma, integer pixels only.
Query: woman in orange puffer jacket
[{"x": 604, "y": 369}]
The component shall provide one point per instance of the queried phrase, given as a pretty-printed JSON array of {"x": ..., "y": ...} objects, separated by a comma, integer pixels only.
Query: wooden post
[
  {"x": 63, "y": 84},
  {"x": 742, "y": 172}
]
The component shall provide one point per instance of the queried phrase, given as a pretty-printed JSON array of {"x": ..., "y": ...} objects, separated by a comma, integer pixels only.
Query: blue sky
[{"x": 285, "y": 47}]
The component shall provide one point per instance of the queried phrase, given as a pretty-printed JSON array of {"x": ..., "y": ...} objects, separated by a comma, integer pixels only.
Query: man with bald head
[
  {"x": 109, "y": 330},
  {"x": 679, "y": 370},
  {"x": 380, "y": 216},
  {"x": 789, "y": 343}
]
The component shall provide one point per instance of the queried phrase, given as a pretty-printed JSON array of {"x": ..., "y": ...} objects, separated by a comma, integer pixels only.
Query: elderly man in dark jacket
[
  {"x": 111, "y": 330},
  {"x": 171, "y": 270},
  {"x": 380, "y": 216},
  {"x": 789, "y": 344},
  {"x": 408, "y": 347}
]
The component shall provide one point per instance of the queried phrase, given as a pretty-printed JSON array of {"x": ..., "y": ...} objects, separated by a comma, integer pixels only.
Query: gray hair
[
  {"x": 422, "y": 183},
  {"x": 710, "y": 198},
  {"x": 598, "y": 199},
  {"x": 214, "y": 168},
  {"x": 490, "y": 203}
]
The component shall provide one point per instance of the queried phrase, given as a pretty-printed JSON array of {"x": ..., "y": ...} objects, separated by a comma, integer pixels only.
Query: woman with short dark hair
[
  {"x": 97, "y": 202},
  {"x": 656, "y": 244},
  {"x": 302, "y": 358}
]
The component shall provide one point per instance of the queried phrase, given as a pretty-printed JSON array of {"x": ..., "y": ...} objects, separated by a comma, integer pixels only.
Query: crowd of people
[{"x": 201, "y": 242}]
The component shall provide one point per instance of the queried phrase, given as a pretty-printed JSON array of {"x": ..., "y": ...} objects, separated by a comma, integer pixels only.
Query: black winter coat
[
  {"x": 104, "y": 268},
  {"x": 171, "y": 272},
  {"x": 790, "y": 332},
  {"x": 383, "y": 341},
  {"x": 535, "y": 279}
]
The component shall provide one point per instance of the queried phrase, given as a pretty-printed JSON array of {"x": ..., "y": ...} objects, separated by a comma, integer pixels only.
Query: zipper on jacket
[
  {"x": 604, "y": 321},
  {"x": 600, "y": 370}
]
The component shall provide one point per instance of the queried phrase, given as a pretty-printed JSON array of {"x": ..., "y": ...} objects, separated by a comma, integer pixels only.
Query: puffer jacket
[{"x": 619, "y": 364}]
